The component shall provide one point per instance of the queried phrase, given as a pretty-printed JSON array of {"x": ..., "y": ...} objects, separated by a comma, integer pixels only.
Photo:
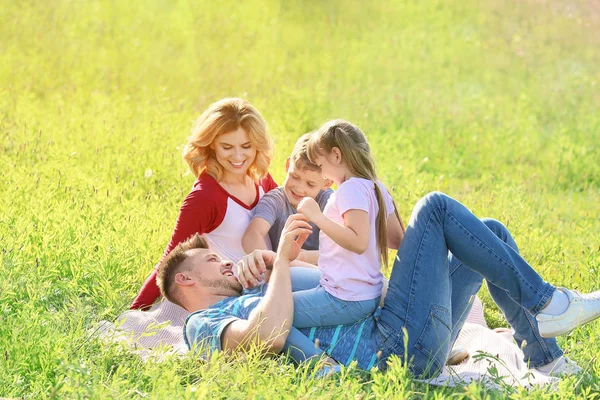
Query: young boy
[{"x": 303, "y": 179}]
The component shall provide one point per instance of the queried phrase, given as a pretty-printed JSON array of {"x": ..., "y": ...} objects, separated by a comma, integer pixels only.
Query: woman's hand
[
  {"x": 310, "y": 209},
  {"x": 293, "y": 236}
]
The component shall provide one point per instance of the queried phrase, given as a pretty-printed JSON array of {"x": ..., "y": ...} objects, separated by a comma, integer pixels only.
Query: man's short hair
[
  {"x": 173, "y": 264},
  {"x": 299, "y": 156}
]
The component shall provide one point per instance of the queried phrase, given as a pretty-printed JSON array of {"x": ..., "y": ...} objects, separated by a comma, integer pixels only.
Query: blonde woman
[{"x": 229, "y": 152}]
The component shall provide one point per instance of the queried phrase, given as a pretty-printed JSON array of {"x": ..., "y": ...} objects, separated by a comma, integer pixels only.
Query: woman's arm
[{"x": 199, "y": 213}]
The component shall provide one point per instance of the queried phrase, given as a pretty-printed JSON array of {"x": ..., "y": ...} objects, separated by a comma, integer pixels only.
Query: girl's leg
[
  {"x": 537, "y": 350},
  {"x": 419, "y": 301},
  {"x": 316, "y": 307},
  {"x": 304, "y": 278}
]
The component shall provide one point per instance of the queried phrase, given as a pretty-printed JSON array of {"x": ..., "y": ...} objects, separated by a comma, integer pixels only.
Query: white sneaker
[
  {"x": 582, "y": 308},
  {"x": 564, "y": 366}
]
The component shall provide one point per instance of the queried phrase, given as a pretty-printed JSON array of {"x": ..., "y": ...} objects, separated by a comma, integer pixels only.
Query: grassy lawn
[{"x": 496, "y": 103}]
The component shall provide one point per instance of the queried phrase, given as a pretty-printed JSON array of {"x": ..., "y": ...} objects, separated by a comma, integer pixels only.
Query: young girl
[{"x": 358, "y": 225}]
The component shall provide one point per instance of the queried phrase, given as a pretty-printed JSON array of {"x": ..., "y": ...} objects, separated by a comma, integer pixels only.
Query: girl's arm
[
  {"x": 352, "y": 236},
  {"x": 395, "y": 233},
  {"x": 309, "y": 256}
]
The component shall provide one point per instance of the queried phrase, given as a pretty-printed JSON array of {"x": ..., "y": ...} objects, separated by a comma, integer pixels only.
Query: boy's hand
[
  {"x": 252, "y": 266},
  {"x": 293, "y": 237},
  {"x": 310, "y": 209}
]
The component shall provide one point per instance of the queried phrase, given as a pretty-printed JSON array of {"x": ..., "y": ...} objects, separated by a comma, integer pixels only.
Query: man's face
[
  {"x": 302, "y": 182},
  {"x": 210, "y": 271}
]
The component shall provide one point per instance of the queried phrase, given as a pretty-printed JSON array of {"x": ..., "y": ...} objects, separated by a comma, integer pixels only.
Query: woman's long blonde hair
[
  {"x": 356, "y": 153},
  {"x": 224, "y": 116}
]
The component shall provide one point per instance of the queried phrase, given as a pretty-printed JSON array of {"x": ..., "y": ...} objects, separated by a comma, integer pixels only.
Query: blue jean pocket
[{"x": 433, "y": 342}]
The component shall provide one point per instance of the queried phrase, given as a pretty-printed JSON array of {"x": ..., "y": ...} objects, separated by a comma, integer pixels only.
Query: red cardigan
[{"x": 202, "y": 211}]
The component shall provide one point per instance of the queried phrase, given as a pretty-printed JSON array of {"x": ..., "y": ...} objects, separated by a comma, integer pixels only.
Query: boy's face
[{"x": 300, "y": 183}]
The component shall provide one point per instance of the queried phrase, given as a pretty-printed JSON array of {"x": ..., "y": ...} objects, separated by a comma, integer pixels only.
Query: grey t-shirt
[{"x": 275, "y": 208}]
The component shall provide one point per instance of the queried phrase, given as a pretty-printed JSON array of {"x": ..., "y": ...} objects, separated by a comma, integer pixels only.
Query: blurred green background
[{"x": 496, "y": 103}]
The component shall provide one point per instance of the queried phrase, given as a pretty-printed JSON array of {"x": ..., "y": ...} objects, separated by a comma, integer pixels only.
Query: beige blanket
[{"x": 495, "y": 358}]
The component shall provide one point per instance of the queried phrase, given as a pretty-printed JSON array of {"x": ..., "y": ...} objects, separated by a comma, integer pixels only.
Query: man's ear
[
  {"x": 183, "y": 279},
  {"x": 327, "y": 185},
  {"x": 336, "y": 154},
  {"x": 287, "y": 164}
]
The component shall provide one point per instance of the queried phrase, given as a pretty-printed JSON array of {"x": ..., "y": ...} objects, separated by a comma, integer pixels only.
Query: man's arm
[{"x": 269, "y": 323}]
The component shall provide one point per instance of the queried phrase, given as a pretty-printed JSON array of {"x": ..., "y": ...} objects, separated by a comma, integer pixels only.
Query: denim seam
[
  {"x": 498, "y": 257},
  {"x": 417, "y": 260}
]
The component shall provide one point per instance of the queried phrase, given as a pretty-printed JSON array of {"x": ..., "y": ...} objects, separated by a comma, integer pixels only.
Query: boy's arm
[{"x": 254, "y": 237}]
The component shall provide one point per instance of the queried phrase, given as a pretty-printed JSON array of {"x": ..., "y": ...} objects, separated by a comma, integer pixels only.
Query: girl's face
[
  {"x": 234, "y": 152},
  {"x": 332, "y": 166}
]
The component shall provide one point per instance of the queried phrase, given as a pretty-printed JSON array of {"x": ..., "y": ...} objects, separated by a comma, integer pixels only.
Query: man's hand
[
  {"x": 252, "y": 266},
  {"x": 293, "y": 236},
  {"x": 310, "y": 209}
]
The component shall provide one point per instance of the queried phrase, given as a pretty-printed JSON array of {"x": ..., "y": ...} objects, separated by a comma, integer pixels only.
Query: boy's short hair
[
  {"x": 299, "y": 156},
  {"x": 172, "y": 264}
]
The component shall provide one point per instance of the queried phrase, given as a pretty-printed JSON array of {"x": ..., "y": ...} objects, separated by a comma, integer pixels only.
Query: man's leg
[
  {"x": 537, "y": 350},
  {"x": 419, "y": 296}
]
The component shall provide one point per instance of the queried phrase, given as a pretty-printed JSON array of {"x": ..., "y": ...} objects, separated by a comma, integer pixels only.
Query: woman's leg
[
  {"x": 419, "y": 298},
  {"x": 537, "y": 350}
]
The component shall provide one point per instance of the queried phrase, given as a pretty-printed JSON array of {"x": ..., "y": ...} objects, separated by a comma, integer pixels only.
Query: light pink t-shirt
[{"x": 347, "y": 275}]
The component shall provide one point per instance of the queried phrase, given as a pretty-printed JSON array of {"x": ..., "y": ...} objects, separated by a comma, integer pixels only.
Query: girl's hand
[{"x": 310, "y": 209}]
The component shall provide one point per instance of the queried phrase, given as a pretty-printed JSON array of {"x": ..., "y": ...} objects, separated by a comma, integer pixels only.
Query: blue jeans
[
  {"x": 299, "y": 347},
  {"x": 317, "y": 307},
  {"x": 439, "y": 268}
]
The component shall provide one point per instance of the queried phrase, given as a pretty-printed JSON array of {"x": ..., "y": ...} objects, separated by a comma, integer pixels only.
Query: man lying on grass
[{"x": 428, "y": 297}]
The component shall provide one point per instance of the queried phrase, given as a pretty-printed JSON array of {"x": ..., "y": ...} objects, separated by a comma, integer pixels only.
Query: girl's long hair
[
  {"x": 224, "y": 116},
  {"x": 356, "y": 153}
]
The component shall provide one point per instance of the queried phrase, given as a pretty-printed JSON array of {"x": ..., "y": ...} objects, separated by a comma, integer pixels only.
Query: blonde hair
[
  {"x": 356, "y": 153},
  {"x": 172, "y": 264},
  {"x": 299, "y": 156},
  {"x": 224, "y": 116}
]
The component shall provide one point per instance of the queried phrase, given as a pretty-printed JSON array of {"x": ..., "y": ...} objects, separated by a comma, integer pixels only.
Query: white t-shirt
[{"x": 347, "y": 275}]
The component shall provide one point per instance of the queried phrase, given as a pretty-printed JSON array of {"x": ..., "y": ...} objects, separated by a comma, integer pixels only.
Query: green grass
[{"x": 496, "y": 103}]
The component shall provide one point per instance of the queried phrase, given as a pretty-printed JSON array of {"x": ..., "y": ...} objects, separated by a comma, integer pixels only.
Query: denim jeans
[
  {"x": 439, "y": 267},
  {"x": 317, "y": 307},
  {"x": 299, "y": 347}
]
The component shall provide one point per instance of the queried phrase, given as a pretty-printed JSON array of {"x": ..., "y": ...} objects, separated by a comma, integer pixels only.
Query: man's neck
[{"x": 197, "y": 303}]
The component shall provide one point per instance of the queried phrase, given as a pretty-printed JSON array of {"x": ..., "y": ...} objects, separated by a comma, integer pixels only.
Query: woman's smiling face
[{"x": 234, "y": 152}]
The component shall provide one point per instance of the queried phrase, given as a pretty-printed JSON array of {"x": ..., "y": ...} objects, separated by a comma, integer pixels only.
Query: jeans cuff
[
  {"x": 546, "y": 296},
  {"x": 557, "y": 354}
]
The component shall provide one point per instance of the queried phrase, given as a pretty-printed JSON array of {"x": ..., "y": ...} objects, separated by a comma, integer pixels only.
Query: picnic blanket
[{"x": 495, "y": 359}]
